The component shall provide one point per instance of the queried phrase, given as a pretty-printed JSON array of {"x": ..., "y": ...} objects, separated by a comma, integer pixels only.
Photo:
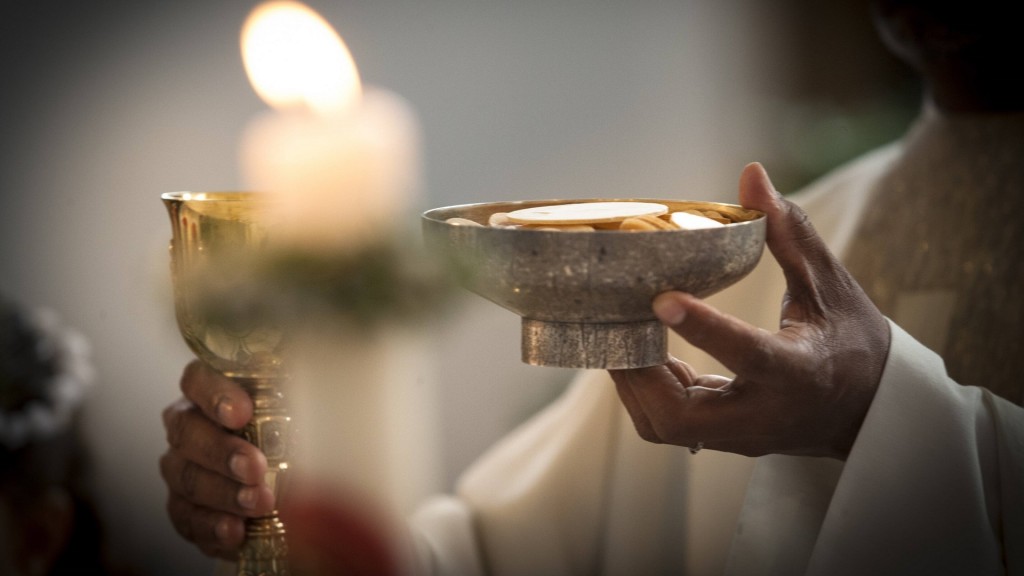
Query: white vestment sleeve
[
  {"x": 444, "y": 540},
  {"x": 521, "y": 508},
  {"x": 532, "y": 512},
  {"x": 1009, "y": 423},
  {"x": 574, "y": 490},
  {"x": 932, "y": 485}
]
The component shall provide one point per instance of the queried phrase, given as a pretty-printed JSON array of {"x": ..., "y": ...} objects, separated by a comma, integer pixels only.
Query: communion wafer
[
  {"x": 463, "y": 222},
  {"x": 499, "y": 219},
  {"x": 646, "y": 223},
  {"x": 586, "y": 213},
  {"x": 717, "y": 217},
  {"x": 562, "y": 228},
  {"x": 689, "y": 221}
]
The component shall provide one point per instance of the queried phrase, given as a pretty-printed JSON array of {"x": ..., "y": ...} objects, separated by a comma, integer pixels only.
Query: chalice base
[{"x": 265, "y": 551}]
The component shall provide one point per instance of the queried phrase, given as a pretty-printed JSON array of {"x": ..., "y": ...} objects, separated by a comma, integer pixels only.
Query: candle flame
[{"x": 294, "y": 58}]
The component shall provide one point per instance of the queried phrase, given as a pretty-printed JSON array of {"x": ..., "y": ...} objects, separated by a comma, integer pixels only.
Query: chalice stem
[{"x": 265, "y": 550}]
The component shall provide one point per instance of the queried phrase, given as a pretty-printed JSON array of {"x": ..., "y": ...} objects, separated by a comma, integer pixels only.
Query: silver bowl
[{"x": 585, "y": 297}]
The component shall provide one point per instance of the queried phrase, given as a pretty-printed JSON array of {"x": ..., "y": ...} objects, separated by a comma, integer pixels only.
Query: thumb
[
  {"x": 744, "y": 349},
  {"x": 791, "y": 237}
]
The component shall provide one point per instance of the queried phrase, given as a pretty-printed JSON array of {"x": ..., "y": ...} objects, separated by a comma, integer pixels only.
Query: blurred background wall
[{"x": 105, "y": 105}]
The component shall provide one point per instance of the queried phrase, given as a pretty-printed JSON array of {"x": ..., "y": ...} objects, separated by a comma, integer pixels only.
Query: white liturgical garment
[{"x": 934, "y": 483}]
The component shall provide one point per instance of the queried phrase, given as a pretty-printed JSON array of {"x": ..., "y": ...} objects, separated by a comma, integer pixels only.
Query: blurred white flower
[{"x": 45, "y": 370}]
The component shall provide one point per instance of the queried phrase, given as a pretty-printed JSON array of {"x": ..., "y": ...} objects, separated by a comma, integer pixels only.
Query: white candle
[{"x": 344, "y": 160}]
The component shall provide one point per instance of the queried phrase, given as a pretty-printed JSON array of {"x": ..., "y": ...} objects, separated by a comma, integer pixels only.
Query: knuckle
[
  {"x": 796, "y": 215},
  {"x": 647, "y": 433},
  {"x": 205, "y": 538},
  {"x": 188, "y": 480},
  {"x": 198, "y": 526},
  {"x": 175, "y": 431},
  {"x": 167, "y": 461},
  {"x": 762, "y": 354},
  {"x": 168, "y": 413},
  {"x": 178, "y": 511},
  {"x": 643, "y": 427},
  {"x": 669, "y": 426},
  {"x": 191, "y": 379},
  {"x": 667, "y": 432},
  {"x": 190, "y": 372}
]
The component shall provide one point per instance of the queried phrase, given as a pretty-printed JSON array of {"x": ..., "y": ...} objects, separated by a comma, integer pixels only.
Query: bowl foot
[{"x": 606, "y": 346}]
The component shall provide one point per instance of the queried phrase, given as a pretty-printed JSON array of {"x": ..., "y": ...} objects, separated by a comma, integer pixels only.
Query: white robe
[{"x": 934, "y": 483}]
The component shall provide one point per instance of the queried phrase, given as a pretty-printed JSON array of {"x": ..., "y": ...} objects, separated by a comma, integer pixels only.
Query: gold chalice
[{"x": 226, "y": 319}]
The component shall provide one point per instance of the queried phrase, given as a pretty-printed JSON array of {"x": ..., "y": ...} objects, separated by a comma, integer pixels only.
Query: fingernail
[
  {"x": 222, "y": 530},
  {"x": 766, "y": 180},
  {"x": 669, "y": 310},
  {"x": 224, "y": 410},
  {"x": 248, "y": 496},
  {"x": 240, "y": 465}
]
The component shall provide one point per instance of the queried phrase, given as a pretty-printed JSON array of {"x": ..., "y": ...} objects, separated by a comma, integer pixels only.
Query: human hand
[
  {"x": 215, "y": 479},
  {"x": 802, "y": 390}
]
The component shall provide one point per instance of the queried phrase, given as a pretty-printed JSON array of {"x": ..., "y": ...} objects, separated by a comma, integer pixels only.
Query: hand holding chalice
[{"x": 217, "y": 242}]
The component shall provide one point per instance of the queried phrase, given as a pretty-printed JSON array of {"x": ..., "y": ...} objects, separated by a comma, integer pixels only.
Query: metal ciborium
[
  {"x": 585, "y": 297},
  {"x": 227, "y": 321}
]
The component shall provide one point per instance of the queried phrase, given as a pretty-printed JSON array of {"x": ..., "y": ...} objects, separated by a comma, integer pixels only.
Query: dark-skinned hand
[
  {"x": 803, "y": 390},
  {"x": 214, "y": 477}
]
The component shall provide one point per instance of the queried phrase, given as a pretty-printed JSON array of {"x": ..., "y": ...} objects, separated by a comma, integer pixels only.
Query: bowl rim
[
  {"x": 215, "y": 196},
  {"x": 433, "y": 214}
]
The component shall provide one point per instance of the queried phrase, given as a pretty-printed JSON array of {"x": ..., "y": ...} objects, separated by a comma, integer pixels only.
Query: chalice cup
[{"x": 228, "y": 321}]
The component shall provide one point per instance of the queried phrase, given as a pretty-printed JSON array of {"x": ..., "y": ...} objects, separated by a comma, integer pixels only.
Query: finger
[
  {"x": 683, "y": 371},
  {"x": 742, "y": 348},
  {"x": 685, "y": 377},
  {"x": 197, "y": 438},
  {"x": 215, "y": 533},
  {"x": 219, "y": 397},
  {"x": 712, "y": 382},
  {"x": 672, "y": 411},
  {"x": 641, "y": 423},
  {"x": 207, "y": 489}
]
